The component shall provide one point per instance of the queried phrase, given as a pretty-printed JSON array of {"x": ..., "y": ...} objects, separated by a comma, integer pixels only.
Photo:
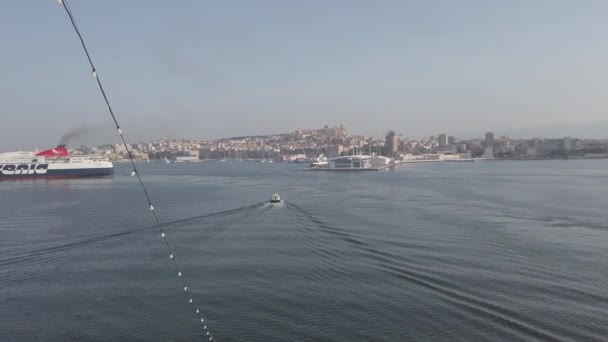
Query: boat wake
[
  {"x": 31, "y": 261},
  {"x": 325, "y": 227},
  {"x": 404, "y": 270}
]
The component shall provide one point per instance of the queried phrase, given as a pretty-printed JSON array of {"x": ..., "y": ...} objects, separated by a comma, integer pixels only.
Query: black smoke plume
[{"x": 73, "y": 135}]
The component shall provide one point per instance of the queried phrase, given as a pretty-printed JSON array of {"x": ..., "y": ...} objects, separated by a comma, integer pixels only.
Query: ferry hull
[{"x": 61, "y": 174}]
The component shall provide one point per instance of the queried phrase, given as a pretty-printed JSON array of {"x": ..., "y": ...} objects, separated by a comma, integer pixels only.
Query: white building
[
  {"x": 531, "y": 152},
  {"x": 350, "y": 162},
  {"x": 380, "y": 161},
  {"x": 488, "y": 152},
  {"x": 186, "y": 159}
]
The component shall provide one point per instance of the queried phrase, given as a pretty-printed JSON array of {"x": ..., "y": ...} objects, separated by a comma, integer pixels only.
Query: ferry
[
  {"x": 303, "y": 160},
  {"x": 52, "y": 163}
]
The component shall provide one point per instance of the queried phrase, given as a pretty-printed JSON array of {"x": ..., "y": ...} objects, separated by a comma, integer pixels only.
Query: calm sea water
[{"x": 511, "y": 251}]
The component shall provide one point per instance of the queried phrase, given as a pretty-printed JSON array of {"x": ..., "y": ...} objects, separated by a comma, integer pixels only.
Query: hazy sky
[{"x": 207, "y": 69}]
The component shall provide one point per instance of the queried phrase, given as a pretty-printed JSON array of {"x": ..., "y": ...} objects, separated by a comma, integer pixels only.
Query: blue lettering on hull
[{"x": 20, "y": 171}]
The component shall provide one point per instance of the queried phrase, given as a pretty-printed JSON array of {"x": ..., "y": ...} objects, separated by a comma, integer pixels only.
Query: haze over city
[{"x": 216, "y": 69}]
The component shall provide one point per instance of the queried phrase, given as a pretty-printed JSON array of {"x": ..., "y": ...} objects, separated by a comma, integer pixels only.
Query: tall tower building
[
  {"x": 443, "y": 139},
  {"x": 489, "y": 139},
  {"x": 391, "y": 144}
]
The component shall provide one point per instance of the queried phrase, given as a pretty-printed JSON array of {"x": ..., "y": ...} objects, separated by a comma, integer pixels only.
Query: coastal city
[{"x": 330, "y": 142}]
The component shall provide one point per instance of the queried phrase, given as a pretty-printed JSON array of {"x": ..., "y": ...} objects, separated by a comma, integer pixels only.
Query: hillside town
[{"x": 336, "y": 141}]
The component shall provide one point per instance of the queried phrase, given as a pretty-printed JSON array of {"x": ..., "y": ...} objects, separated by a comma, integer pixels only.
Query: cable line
[{"x": 135, "y": 172}]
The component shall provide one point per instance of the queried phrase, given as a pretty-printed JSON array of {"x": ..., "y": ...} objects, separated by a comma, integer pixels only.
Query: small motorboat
[
  {"x": 275, "y": 198},
  {"x": 321, "y": 161}
]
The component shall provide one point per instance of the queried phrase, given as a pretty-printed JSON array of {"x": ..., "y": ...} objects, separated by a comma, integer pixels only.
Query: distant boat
[
  {"x": 275, "y": 198},
  {"x": 320, "y": 161},
  {"x": 167, "y": 161},
  {"x": 303, "y": 160}
]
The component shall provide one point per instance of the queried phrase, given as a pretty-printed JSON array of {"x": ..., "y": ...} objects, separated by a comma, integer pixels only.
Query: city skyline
[
  {"x": 310, "y": 144},
  {"x": 100, "y": 135},
  {"x": 210, "y": 70}
]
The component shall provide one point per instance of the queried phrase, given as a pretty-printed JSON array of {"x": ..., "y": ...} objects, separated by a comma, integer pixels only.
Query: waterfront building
[
  {"x": 350, "y": 162},
  {"x": 532, "y": 152},
  {"x": 568, "y": 144},
  {"x": 488, "y": 152},
  {"x": 391, "y": 144},
  {"x": 188, "y": 158},
  {"x": 380, "y": 161}
]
